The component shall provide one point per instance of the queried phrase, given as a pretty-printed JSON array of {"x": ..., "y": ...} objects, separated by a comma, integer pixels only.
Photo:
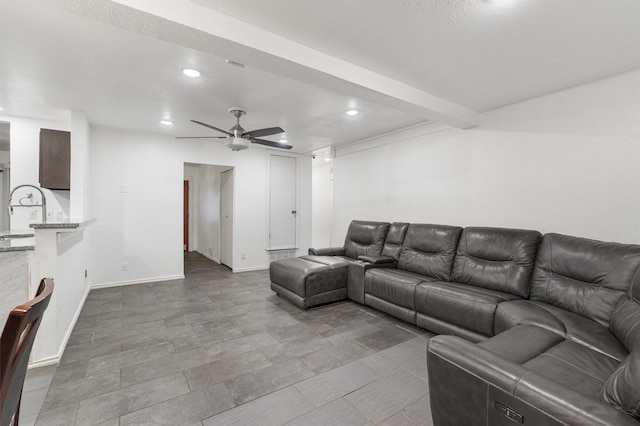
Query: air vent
[{"x": 235, "y": 64}]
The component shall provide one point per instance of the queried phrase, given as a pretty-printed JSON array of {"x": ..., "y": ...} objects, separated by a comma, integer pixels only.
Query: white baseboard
[
  {"x": 134, "y": 282},
  {"x": 254, "y": 268},
  {"x": 208, "y": 257},
  {"x": 55, "y": 360},
  {"x": 46, "y": 362}
]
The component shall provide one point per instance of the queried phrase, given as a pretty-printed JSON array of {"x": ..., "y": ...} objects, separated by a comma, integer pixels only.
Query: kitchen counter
[
  {"x": 16, "y": 240},
  {"x": 60, "y": 224},
  {"x": 24, "y": 239}
]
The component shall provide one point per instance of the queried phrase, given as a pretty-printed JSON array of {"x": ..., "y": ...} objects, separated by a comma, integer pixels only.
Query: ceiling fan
[{"x": 237, "y": 138}]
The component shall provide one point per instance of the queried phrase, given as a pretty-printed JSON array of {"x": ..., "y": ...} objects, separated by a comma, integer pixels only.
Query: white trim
[
  {"x": 193, "y": 211},
  {"x": 254, "y": 268},
  {"x": 394, "y": 136},
  {"x": 54, "y": 360},
  {"x": 283, "y": 248},
  {"x": 296, "y": 231},
  {"x": 140, "y": 281}
]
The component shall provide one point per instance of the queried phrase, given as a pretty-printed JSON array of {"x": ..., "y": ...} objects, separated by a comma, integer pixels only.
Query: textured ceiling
[
  {"x": 400, "y": 62},
  {"x": 481, "y": 54}
]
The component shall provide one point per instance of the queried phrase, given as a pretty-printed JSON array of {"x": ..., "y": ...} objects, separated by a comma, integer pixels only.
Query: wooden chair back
[{"x": 15, "y": 347}]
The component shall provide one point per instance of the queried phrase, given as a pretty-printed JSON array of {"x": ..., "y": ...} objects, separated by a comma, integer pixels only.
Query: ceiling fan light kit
[
  {"x": 238, "y": 139},
  {"x": 237, "y": 144}
]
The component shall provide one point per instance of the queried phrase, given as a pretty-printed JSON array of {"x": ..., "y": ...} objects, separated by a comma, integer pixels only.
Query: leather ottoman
[{"x": 306, "y": 283}]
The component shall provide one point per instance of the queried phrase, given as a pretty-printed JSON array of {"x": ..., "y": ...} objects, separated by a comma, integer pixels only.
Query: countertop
[
  {"x": 55, "y": 224},
  {"x": 22, "y": 240}
]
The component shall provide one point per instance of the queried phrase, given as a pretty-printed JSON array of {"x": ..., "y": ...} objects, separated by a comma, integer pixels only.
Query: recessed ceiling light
[
  {"x": 1, "y": 109},
  {"x": 166, "y": 122},
  {"x": 284, "y": 140},
  {"x": 191, "y": 72},
  {"x": 352, "y": 112},
  {"x": 327, "y": 159}
]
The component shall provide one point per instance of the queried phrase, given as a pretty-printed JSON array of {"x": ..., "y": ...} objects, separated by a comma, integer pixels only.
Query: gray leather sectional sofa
[{"x": 539, "y": 330}]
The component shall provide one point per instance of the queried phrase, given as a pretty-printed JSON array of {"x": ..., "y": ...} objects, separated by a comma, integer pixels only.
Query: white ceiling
[{"x": 399, "y": 62}]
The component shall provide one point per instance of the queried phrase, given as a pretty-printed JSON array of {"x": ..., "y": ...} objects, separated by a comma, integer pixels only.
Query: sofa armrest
[
  {"x": 378, "y": 260},
  {"x": 470, "y": 385},
  {"x": 357, "y": 271},
  {"x": 328, "y": 251}
]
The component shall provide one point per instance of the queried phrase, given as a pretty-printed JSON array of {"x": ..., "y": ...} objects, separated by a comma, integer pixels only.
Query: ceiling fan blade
[
  {"x": 200, "y": 137},
  {"x": 271, "y": 143},
  {"x": 263, "y": 132},
  {"x": 211, "y": 127}
]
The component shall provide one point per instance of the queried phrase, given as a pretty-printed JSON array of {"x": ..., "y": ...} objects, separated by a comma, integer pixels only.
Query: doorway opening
[{"x": 208, "y": 212}]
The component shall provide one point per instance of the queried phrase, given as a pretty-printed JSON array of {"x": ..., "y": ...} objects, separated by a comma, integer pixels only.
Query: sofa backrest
[
  {"x": 499, "y": 259},
  {"x": 393, "y": 243},
  {"x": 429, "y": 250},
  {"x": 365, "y": 238},
  {"x": 625, "y": 322},
  {"x": 590, "y": 278}
]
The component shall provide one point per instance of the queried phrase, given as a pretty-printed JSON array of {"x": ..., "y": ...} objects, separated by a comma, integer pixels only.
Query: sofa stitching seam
[
  {"x": 546, "y": 288},
  {"x": 633, "y": 282},
  {"x": 516, "y": 320},
  {"x": 572, "y": 365},
  {"x": 462, "y": 298},
  {"x": 626, "y": 337},
  {"x": 466, "y": 370},
  {"x": 535, "y": 407}
]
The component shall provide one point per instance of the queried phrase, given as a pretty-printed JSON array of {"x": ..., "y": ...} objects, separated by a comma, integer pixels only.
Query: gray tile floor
[{"x": 219, "y": 348}]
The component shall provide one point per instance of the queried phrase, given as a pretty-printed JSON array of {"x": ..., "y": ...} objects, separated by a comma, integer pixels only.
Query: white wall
[
  {"x": 568, "y": 162},
  {"x": 322, "y": 202},
  {"x": 143, "y": 226},
  {"x": 80, "y": 166},
  {"x": 62, "y": 257},
  {"x": 25, "y": 148},
  {"x": 208, "y": 223}
]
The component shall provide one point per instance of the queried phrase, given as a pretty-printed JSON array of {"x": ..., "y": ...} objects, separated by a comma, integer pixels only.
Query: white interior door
[
  {"x": 282, "y": 202},
  {"x": 226, "y": 218}
]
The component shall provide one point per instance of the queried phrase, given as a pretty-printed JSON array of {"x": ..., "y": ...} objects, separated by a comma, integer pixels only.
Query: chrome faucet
[{"x": 43, "y": 204}]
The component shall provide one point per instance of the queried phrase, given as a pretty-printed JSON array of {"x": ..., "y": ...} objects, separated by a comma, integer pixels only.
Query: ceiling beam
[{"x": 191, "y": 25}]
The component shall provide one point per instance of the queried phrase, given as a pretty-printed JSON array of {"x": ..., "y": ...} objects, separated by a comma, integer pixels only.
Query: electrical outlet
[
  {"x": 125, "y": 266},
  {"x": 32, "y": 215},
  {"x": 243, "y": 256}
]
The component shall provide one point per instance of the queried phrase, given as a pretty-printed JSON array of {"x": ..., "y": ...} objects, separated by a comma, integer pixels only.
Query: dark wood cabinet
[{"x": 55, "y": 159}]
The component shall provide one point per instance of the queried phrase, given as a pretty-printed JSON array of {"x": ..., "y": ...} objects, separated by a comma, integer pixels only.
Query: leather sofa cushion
[
  {"x": 625, "y": 325},
  {"x": 499, "y": 259},
  {"x": 571, "y": 326},
  {"x": 575, "y": 366},
  {"x": 306, "y": 278},
  {"x": 328, "y": 260},
  {"x": 395, "y": 238},
  {"x": 365, "y": 237},
  {"x": 587, "y": 277},
  {"x": 393, "y": 285},
  {"x": 460, "y": 304},
  {"x": 429, "y": 250},
  {"x": 522, "y": 343},
  {"x": 622, "y": 389}
]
